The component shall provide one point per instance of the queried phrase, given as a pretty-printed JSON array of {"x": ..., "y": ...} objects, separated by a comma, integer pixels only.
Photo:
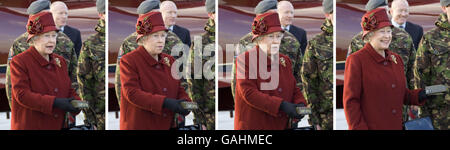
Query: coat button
[
  {"x": 164, "y": 115},
  {"x": 49, "y": 67},
  {"x": 385, "y": 63},
  {"x": 394, "y": 111},
  {"x": 56, "y": 90},
  {"x": 165, "y": 89},
  {"x": 56, "y": 115},
  {"x": 280, "y": 90},
  {"x": 393, "y": 85},
  {"x": 157, "y": 67}
]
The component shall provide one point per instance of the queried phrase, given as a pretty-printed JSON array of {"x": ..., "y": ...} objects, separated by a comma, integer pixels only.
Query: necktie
[{"x": 402, "y": 27}]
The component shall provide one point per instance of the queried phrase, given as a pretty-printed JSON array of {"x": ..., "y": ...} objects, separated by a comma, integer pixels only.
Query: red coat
[
  {"x": 259, "y": 109},
  {"x": 145, "y": 84},
  {"x": 36, "y": 82},
  {"x": 375, "y": 90}
]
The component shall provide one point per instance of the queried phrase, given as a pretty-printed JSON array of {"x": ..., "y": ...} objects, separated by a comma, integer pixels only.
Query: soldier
[
  {"x": 401, "y": 44},
  {"x": 202, "y": 90},
  {"x": 289, "y": 45},
  {"x": 317, "y": 73},
  {"x": 64, "y": 47},
  {"x": 130, "y": 44},
  {"x": 91, "y": 72},
  {"x": 432, "y": 67}
]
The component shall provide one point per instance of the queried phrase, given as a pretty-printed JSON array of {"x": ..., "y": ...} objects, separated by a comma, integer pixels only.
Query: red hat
[
  {"x": 40, "y": 23},
  {"x": 265, "y": 23},
  {"x": 149, "y": 23},
  {"x": 374, "y": 20}
]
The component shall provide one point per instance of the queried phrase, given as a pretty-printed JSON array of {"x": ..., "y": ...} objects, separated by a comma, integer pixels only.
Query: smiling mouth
[
  {"x": 49, "y": 47},
  {"x": 384, "y": 41}
]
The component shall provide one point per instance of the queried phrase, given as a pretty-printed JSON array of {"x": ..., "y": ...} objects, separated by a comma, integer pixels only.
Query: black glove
[
  {"x": 290, "y": 109},
  {"x": 423, "y": 96},
  {"x": 175, "y": 106},
  {"x": 64, "y": 104}
]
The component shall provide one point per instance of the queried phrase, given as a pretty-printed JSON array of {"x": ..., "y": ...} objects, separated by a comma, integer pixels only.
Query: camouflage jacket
[
  {"x": 202, "y": 91},
  {"x": 432, "y": 67},
  {"x": 317, "y": 77},
  {"x": 289, "y": 46},
  {"x": 401, "y": 44},
  {"x": 64, "y": 47},
  {"x": 130, "y": 44},
  {"x": 91, "y": 76}
]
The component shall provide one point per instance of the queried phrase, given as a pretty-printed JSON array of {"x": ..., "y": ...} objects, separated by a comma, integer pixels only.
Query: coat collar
[
  {"x": 377, "y": 57},
  {"x": 269, "y": 60},
  {"x": 41, "y": 60},
  {"x": 148, "y": 58}
]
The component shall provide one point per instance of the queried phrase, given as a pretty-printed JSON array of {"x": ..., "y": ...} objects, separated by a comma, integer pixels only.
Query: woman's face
[
  {"x": 381, "y": 38},
  {"x": 45, "y": 43},
  {"x": 154, "y": 43},
  {"x": 270, "y": 43}
]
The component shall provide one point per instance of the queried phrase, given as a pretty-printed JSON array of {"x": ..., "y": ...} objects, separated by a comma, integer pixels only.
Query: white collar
[
  {"x": 398, "y": 25},
  {"x": 286, "y": 27},
  {"x": 61, "y": 29}
]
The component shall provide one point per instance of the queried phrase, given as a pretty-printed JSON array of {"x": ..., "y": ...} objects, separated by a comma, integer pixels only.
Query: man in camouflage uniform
[
  {"x": 432, "y": 67},
  {"x": 317, "y": 73},
  {"x": 289, "y": 45},
  {"x": 91, "y": 72},
  {"x": 401, "y": 43},
  {"x": 202, "y": 91},
  {"x": 130, "y": 44},
  {"x": 64, "y": 47}
]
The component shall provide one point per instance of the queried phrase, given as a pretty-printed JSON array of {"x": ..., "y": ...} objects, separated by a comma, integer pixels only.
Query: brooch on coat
[
  {"x": 394, "y": 59},
  {"x": 58, "y": 62},
  {"x": 167, "y": 61},
  {"x": 283, "y": 62}
]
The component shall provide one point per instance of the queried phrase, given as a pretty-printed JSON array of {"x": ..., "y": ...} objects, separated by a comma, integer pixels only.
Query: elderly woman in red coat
[
  {"x": 375, "y": 84},
  {"x": 41, "y": 88},
  {"x": 150, "y": 94},
  {"x": 265, "y": 102}
]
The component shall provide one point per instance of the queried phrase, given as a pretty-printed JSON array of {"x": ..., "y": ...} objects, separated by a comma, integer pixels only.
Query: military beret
[
  {"x": 100, "y": 6},
  {"x": 210, "y": 6},
  {"x": 37, "y": 6},
  {"x": 147, "y": 6},
  {"x": 265, "y": 5},
  {"x": 327, "y": 6},
  {"x": 372, "y": 4},
  {"x": 445, "y": 3}
]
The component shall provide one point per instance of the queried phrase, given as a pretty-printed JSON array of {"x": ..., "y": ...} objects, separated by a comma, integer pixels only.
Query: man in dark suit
[
  {"x": 286, "y": 14},
  {"x": 60, "y": 14},
  {"x": 400, "y": 13},
  {"x": 169, "y": 13}
]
